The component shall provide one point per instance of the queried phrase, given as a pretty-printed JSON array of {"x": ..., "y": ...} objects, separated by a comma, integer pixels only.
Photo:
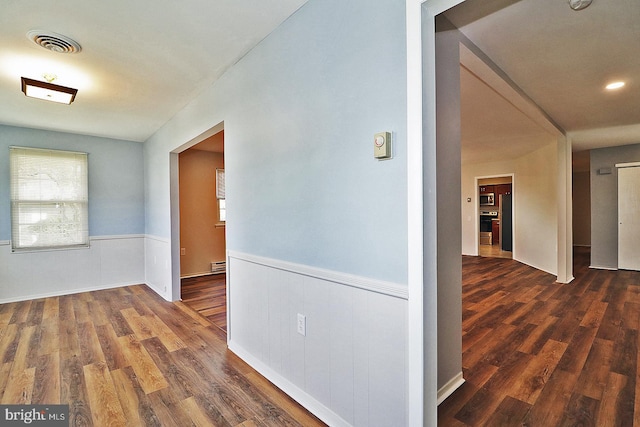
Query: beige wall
[
  {"x": 202, "y": 240},
  {"x": 535, "y": 206}
]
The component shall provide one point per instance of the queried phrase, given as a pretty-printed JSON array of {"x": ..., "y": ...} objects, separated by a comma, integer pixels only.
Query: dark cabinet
[
  {"x": 495, "y": 231},
  {"x": 487, "y": 189},
  {"x": 501, "y": 189}
]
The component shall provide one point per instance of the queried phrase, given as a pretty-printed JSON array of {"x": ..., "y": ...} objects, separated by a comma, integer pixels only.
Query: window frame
[
  {"x": 221, "y": 196},
  {"x": 69, "y": 200}
]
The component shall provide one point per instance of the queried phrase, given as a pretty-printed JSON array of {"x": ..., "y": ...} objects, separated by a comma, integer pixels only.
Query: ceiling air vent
[
  {"x": 579, "y": 4},
  {"x": 54, "y": 42}
]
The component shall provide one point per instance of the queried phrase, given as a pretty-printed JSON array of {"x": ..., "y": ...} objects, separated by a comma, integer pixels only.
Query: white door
[{"x": 629, "y": 218}]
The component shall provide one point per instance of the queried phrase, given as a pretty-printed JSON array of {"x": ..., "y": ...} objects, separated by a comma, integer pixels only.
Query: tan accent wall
[{"x": 202, "y": 241}]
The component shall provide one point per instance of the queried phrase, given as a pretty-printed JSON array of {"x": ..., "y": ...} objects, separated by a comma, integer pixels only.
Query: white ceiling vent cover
[
  {"x": 579, "y": 4},
  {"x": 53, "y": 41}
]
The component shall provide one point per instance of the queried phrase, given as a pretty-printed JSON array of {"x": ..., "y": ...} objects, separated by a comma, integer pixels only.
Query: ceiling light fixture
[
  {"x": 48, "y": 91},
  {"x": 579, "y": 4},
  {"x": 614, "y": 85}
]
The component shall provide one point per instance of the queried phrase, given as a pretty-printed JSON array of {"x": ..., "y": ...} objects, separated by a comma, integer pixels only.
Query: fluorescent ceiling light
[
  {"x": 614, "y": 85},
  {"x": 48, "y": 91}
]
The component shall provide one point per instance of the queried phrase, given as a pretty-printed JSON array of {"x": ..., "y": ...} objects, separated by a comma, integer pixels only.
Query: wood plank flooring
[
  {"x": 493, "y": 251},
  {"x": 540, "y": 353},
  {"x": 126, "y": 357},
  {"x": 208, "y": 296}
]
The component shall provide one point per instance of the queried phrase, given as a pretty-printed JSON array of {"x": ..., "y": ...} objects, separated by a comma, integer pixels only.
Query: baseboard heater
[{"x": 219, "y": 267}]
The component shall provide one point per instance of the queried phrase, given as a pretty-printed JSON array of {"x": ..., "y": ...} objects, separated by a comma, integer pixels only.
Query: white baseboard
[
  {"x": 191, "y": 276},
  {"x": 452, "y": 385},
  {"x": 536, "y": 267},
  {"x": 597, "y": 267},
  {"x": 312, "y": 405},
  {"x": 67, "y": 292}
]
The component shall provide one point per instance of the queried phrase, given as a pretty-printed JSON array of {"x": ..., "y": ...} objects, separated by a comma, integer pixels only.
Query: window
[
  {"x": 222, "y": 210},
  {"x": 49, "y": 199},
  {"x": 220, "y": 195}
]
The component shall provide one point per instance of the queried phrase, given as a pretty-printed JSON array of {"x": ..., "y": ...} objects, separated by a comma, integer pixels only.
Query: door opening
[
  {"x": 202, "y": 237},
  {"x": 495, "y": 219}
]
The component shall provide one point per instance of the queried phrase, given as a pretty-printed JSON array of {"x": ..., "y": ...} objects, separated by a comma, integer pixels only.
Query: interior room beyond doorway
[
  {"x": 495, "y": 217},
  {"x": 202, "y": 228}
]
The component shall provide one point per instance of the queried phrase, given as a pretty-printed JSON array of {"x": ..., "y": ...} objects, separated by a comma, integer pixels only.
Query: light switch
[{"x": 382, "y": 145}]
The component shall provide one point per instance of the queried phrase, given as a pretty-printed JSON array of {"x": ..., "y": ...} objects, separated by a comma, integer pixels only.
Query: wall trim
[
  {"x": 92, "y": 238},
  {"x": 452, "y": 385},
  {"x": 117, "y": 237},
  {"x": 206, "y": 273},
  {"x": 599, "y": 267},
  {"x": 157, "y": 238},
  {"x": 296, "y": 393},
  {"x": 536, "y": 267},
  {"x": 628, "y": 165},
  {"x": 69, "y": 292},
  {"x": 379, "y": 286}
]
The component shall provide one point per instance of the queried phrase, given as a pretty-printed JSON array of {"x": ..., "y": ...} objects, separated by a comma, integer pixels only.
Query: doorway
[
  {"x": 495, "y": 217},
  {"x": 202, "y": 229},
  {"x": 422, "y": 205}
]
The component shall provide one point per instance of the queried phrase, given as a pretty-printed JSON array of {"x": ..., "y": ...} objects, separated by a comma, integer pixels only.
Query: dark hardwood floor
[
  {"x": 126, "y": 357},
  {"x": 535, "y": 353},
  {"x": 540, "y": 353},
  {"x": 208, "y": 296}
]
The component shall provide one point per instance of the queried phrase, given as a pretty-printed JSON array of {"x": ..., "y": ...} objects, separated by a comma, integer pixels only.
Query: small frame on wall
[{"x": 220, "y": 191}]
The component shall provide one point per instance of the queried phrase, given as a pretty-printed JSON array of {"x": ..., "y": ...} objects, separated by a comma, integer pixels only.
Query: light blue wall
[
  {"x": 299, "y": 112},
  {"x": 116, "y": 202}
]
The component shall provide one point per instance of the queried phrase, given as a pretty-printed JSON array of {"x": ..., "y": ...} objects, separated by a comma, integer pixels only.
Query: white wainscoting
[
  {"x": 351, "y": 367},
  {"x": 110, "y": 261},
  {"x": 157, "y": 262}
]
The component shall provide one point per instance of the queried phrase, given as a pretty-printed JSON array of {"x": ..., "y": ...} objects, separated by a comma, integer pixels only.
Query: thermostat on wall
[{"x": 382, "y": 145}]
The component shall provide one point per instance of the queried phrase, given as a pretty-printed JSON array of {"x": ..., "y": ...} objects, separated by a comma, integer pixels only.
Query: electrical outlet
[
  {"x": 183, "y": 251},
  {"x": 302, "y": 325}
]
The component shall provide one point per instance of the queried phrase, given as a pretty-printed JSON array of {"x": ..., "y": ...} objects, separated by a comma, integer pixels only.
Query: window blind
[
  {"x": 220, "y": 187},
  {"x": 49, "y": 199}
]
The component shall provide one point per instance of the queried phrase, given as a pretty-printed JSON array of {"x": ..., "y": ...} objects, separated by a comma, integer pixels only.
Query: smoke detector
[
  {"x": 579, "y": 4},
  {"x": 53, "y": 41}
]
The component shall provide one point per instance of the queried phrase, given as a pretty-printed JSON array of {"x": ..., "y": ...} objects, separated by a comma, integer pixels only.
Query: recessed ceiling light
[{"x": 614, "y": 85}]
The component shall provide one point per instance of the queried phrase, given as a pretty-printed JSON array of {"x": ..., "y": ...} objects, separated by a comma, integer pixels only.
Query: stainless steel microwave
[{"x": 487, "y": 199}]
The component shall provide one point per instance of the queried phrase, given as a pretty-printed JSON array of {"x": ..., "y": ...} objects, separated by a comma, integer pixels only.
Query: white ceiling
[
  {"x": 141, "y": 61},
  {"x": 561, "y": 59},
  {"x": 492, "y": 128}
]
